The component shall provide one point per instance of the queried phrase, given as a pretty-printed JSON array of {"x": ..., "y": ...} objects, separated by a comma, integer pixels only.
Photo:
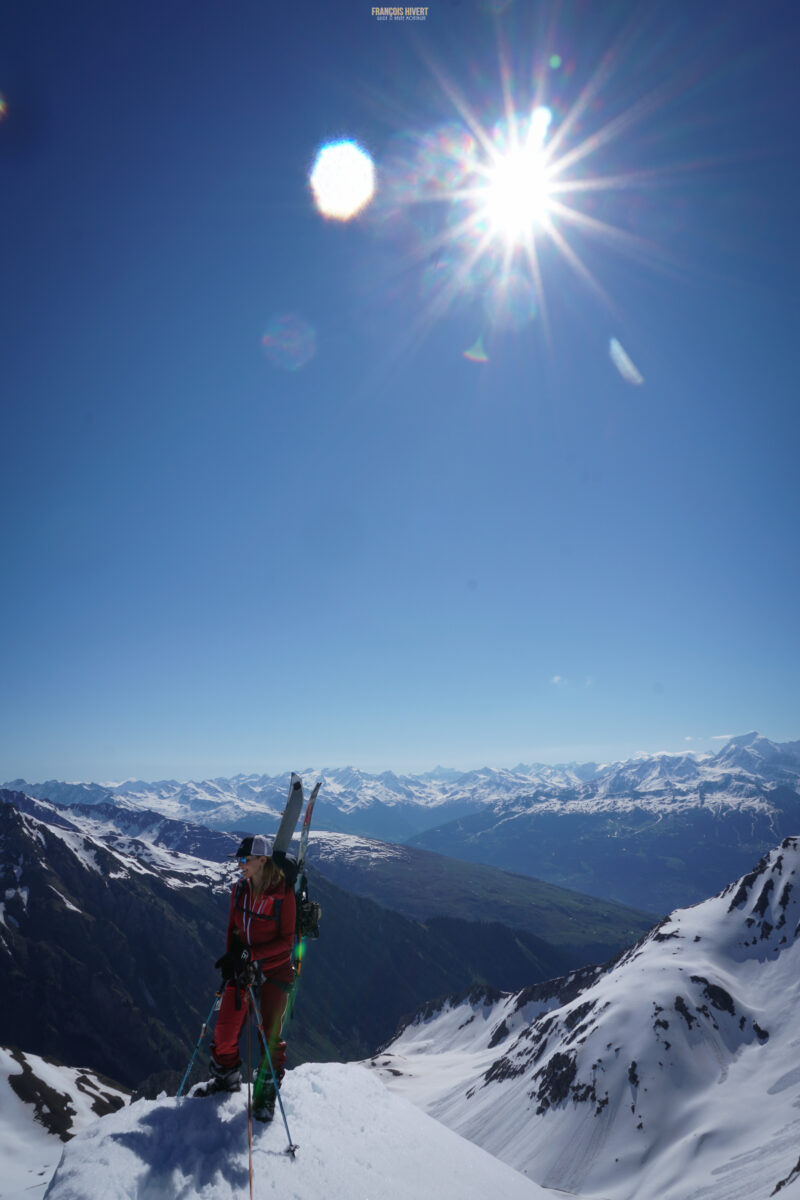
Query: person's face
[{"x": 252, "y": 865}]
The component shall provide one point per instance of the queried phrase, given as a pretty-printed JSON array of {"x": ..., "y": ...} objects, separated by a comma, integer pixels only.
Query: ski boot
[
  {"x": 264, "y": 1102},
  {"x": 223, "y": 1079}
]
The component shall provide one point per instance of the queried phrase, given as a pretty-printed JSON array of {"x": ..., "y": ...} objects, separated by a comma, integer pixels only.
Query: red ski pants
[{"x": 230, "y": 1021}]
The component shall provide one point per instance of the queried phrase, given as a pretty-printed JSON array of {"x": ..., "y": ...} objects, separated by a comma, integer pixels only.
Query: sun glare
[
  {"x": 517, "y": 190},
  {"x": 517, "y": 195}
]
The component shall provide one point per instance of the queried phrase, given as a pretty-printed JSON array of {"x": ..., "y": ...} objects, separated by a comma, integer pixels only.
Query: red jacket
[{"x": 266, "y": 925}]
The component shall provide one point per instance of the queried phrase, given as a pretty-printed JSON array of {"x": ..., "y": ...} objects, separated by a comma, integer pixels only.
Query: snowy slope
[
  {"x": 41, "y": 1106},
  {"x": 115, "y": 843},
  {"x": 674, "y": 1074},
  {"x": 356, "y": 1142}
]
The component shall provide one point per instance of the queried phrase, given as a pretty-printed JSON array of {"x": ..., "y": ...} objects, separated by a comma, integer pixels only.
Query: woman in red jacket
[{"x": 261, "y": 927}]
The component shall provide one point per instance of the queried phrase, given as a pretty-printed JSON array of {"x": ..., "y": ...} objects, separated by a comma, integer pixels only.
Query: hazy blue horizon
[{"x": 697, "y": 746}]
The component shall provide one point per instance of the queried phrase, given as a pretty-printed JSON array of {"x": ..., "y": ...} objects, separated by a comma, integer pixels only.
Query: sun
[{"x": 515, "y": 197}]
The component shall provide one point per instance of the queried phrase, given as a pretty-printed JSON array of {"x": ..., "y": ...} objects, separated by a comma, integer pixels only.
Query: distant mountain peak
[
  {"x": 746, "y": 739},
  {"x": 752, "y": 750}
]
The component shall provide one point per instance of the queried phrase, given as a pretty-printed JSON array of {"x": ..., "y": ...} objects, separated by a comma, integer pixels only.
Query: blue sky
[{"x": 392, "y": 555}]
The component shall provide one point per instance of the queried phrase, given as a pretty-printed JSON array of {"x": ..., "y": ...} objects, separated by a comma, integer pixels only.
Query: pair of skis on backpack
[
  {"x": 308, "y": 911},
  {"x": 294, "y": 868}
]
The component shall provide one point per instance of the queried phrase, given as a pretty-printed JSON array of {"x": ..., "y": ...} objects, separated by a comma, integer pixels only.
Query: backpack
[{"x": 309, "y": 911}]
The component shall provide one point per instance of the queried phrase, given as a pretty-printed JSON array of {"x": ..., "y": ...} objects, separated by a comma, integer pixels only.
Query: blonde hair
[{"x": 271, "y": 876}]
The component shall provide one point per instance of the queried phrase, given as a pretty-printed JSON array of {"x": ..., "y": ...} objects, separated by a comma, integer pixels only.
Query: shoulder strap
[{"x": 240, "y": 904}]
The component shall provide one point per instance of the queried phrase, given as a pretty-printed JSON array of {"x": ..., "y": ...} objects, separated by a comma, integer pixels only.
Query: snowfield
[
  {"x": 56, "y": 1101},
  {"x": 364, "y": 852},
  {"x": 356, "y": 1142},
  {"x": 673, "y": 1075}
]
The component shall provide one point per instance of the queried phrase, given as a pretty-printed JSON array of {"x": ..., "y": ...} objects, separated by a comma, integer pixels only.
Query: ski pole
[
  {"x": 260, "y": 1026},
  {"x": 214, "y": 1006},
  {"x": 249, "y": 1112}
]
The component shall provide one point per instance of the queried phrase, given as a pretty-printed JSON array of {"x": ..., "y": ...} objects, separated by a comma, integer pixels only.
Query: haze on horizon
[{"x": 704, "y": 747}]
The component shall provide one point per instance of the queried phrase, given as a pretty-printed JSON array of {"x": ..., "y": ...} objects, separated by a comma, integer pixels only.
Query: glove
[{"x": 233, "y": 961}]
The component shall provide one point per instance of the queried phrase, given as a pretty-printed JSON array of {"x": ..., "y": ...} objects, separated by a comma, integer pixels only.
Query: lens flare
[
  {"x": 629, "y": 372},
  {"x": 289, "y": 342},
  {"x": 476, "y": 352},
  {"x": 342, "y": 180}
]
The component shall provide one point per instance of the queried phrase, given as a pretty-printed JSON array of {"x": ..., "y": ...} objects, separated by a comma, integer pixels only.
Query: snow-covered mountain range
[
  {"x": 671, "y": 1073},
  {"x": 741, "y": 775},
  {"x": 653, "y": 832}
]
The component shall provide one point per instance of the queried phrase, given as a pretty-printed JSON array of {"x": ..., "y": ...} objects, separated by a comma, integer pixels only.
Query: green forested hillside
[{"x": 421, "y": 884}]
